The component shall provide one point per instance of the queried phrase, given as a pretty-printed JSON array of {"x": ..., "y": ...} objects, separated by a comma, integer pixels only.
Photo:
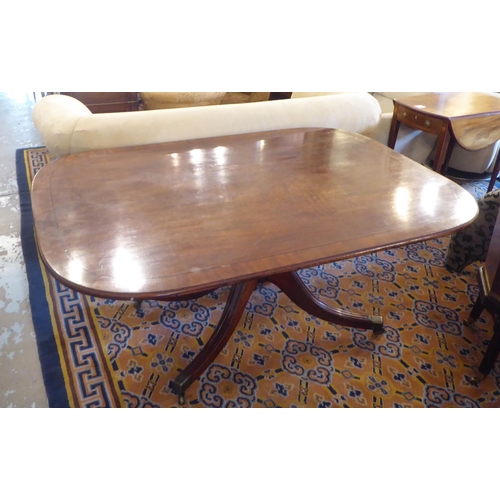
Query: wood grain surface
[{"x": 178, "y": 218}]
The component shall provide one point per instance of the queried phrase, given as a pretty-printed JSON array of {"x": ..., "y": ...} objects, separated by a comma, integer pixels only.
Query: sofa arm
[{"x": 55, "y": 117}]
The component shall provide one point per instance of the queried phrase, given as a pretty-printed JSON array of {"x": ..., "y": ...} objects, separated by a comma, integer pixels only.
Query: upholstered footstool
[{"x": 471, "y": 244}]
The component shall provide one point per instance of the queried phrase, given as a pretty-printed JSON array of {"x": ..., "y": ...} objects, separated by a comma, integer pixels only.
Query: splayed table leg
[
  {"x": 291, "y": 284},
  {"x": 235, "y": 306}
]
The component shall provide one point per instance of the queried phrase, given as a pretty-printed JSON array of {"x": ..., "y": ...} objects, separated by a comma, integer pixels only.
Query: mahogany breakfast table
[
  {"x": 471, "y": 119},
  {"x": 178, "y": 220}
]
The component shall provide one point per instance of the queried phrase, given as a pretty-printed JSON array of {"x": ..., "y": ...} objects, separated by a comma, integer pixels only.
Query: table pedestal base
[{"x": 290, "y": 284}]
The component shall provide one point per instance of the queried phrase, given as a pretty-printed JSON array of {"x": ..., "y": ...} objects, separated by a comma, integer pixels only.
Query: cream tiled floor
[{"x": 21, "y": 383}]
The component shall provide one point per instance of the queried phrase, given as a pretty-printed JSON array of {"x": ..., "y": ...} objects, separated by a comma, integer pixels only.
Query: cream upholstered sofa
[
  {"x": 420, "y": 146},
  {"x": 67, "y": 126}
]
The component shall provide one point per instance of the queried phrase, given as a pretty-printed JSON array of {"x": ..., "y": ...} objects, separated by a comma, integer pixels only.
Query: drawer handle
[
  {"x": 405, "y": 114},
  {"x": 416, "y": 117},
  {"x": 427, "y": 123}
]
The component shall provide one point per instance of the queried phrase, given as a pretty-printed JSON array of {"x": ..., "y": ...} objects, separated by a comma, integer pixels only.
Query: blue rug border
[{"x": 47, "y": 347}]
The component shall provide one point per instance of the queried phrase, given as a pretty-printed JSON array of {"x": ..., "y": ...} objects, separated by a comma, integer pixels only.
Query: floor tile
[{"x": 21, "y": 383}]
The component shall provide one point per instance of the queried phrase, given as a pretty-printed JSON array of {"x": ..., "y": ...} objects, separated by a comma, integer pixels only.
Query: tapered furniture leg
[
  {"x": 475, "y": 312},
  {"x": 449, "y": 151},
  {"x": 235, "y": 306},
  {"x": 292, "y": 286},
  {"x": 441, "y": 149},
  {"x": 393, "y": 132},
  {"x": 494, "y": 173}
]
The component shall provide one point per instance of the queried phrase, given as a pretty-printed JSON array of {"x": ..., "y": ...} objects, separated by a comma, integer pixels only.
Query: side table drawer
[{"x": 419, "y": 120}]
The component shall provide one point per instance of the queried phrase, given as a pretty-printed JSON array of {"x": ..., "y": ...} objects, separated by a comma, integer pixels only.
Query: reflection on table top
[{"x": 192, "y": 215}]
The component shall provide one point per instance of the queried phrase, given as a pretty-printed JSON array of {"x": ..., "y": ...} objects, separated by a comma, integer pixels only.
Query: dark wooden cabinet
[
  {"x": 110, "y": 102},
  {"x": 107, "y": 102},
  {"x": 279, "y": 95}
]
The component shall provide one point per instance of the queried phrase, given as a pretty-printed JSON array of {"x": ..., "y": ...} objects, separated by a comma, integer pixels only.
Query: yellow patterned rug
[{"x": 106, "y": 353}]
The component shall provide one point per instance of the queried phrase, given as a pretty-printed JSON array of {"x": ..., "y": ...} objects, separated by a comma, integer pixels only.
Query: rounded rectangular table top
[{"x": 182, "y": 217}]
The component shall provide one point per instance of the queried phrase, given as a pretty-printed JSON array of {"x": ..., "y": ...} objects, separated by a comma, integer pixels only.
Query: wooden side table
[{"x": 471, "y": 119}]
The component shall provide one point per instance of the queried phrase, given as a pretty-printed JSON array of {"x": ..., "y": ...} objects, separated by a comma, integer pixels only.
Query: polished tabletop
[{"x": 188, "y": 216}]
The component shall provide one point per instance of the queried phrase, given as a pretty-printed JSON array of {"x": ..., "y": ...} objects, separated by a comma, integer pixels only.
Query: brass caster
[
  {"x": 137, "y": 304},
  {"x": 469, "y": 322},
  {"x": 179, "y": 390},
  {"x": 478, "y": 378},
  {"x": 378, "y": 327}
]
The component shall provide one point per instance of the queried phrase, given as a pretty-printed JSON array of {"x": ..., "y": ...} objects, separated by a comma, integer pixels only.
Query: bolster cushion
[{"x": 83, "y": 131}]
